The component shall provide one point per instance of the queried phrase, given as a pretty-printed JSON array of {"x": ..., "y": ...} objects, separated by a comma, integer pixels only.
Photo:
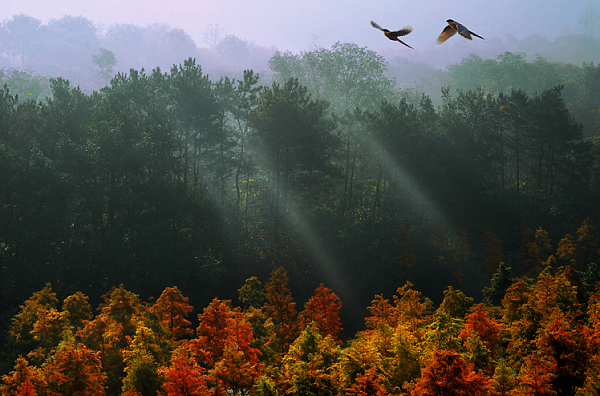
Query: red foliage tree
[
  {"x": 531, "y": 255},
  {"x": 77, "y": 310},
  {"x": 563, "y": 345},
  {"x": 367, "y": 384},
  {"x": 132, "y": 392},
  {"x": 184, "y": 377},
  {"x": 236, "y": 372},
  {"x": 535, "y": 377},
  {"x": 383, "y": 312},
  {"x": 74, "y": 370},
  {"x": 24, "y": 378},
  {"x": 173, "y": 308},
  {"x": 21, "y": 336},
  {"x": 449, "y": 374},
  {"x": 224, "y": 344},
  {"x": 479, "y": 323},
  {"x": 324, "y": 309},
  {"x": 26, "y": 389},
  {"x": 566, "y": 253},
  {"x": 212, "y": 332}
]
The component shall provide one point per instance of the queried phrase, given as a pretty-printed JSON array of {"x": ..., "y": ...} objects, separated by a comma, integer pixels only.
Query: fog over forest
[
  {"x": 293, "y": 26},
  {"x": 66, "y": 46},
  {"x": 349, "y": 77},
  {"x": 406, "y": 198}
]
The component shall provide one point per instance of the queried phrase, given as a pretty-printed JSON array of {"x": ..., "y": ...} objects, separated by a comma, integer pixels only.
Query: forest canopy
[
  {"x": 169, "y": 178},
  {"x": 168, "y": 181},
  {"x": 541, "y": 338}
]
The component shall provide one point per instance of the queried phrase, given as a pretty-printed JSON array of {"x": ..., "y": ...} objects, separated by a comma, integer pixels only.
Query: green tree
[
  {"x": 295, "y": 138},
  {"x": 197, "y": 116},
  {"x": 240, "y": 101},
  {"x": 142, "y": 360},
  {"x": 252, "y": 294},
  {"x": 233, "y": 48},
  {"x": 308, "y": 368},
  {"x": 394, "y": 146},
  {"x": 501, "y": 281},
  {"x": 26, "y": 84},
  {"x": 552, "y": 139},
  {"x": 75, "y": 38},
  {"x": 347, "y": 76},
  {"x": 21, "y": 38},
  {"x": 105, "y": 60},
  {"x": 455, "y": 303},
  {"x": 503, "y": 379},
  {"x": 590, "y": 20}
]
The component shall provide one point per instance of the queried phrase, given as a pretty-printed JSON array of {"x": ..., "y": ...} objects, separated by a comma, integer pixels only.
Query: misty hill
[{"x": 66, "y": 47}]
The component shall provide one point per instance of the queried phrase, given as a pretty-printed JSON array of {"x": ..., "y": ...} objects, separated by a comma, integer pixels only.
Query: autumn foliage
[
  {"x": 184, "y": 376},
  {"x": 324, "y": 309},
  {"x": 532, "y": 336},
  {"x": 449, "y": 374}
]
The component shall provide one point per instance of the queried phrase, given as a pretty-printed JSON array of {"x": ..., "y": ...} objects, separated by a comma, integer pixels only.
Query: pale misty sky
[{"x": 294, "y": 24}]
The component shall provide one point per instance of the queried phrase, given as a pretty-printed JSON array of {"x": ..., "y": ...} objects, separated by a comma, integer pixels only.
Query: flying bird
[
  {"x": 394, "y": 35},
  {"x": 453, "y": 28}
]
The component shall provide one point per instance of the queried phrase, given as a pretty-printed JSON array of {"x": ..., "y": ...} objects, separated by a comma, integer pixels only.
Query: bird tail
[{"x": 476, "y": 35}]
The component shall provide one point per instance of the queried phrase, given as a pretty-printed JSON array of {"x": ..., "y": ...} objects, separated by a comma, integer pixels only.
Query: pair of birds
[{"x": 449, "y": 31}]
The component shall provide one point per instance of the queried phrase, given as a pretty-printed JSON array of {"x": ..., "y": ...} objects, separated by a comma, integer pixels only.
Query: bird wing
[
  {"x": 463, "y": 31},
  {"x": 404, "y": 31},
  {"x": 375, "y": 25},
  {"x": 446, "y": 34}
]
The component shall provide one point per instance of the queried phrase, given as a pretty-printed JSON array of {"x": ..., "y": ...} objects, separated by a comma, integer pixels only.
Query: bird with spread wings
[
  {"x": 395, "y": 34},
  {"x": 453, "y": 28}
]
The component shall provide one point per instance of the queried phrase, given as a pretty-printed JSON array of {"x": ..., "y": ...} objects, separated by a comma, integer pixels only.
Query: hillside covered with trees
[{"x": 168, "y": 181}]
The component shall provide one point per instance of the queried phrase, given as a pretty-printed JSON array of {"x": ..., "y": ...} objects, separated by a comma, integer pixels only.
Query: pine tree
[{"x": 501, "y": 280}]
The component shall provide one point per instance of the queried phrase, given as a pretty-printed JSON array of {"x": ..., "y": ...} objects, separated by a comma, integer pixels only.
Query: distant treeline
[{"x": 70, "y": 47}]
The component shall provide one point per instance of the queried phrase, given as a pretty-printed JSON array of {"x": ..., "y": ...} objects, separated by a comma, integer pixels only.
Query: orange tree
[
  {"x": 449, "y": 374},
  {"x": 324, "y": 309}
]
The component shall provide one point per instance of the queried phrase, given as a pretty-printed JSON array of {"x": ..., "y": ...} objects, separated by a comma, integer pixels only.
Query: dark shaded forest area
[
  {"x": 329, "y": 170},
  {"x": 165, "y": 179}
]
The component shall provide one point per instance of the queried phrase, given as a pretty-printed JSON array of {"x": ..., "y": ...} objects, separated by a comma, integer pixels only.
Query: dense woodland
[{"x": 171, "y": 182}]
